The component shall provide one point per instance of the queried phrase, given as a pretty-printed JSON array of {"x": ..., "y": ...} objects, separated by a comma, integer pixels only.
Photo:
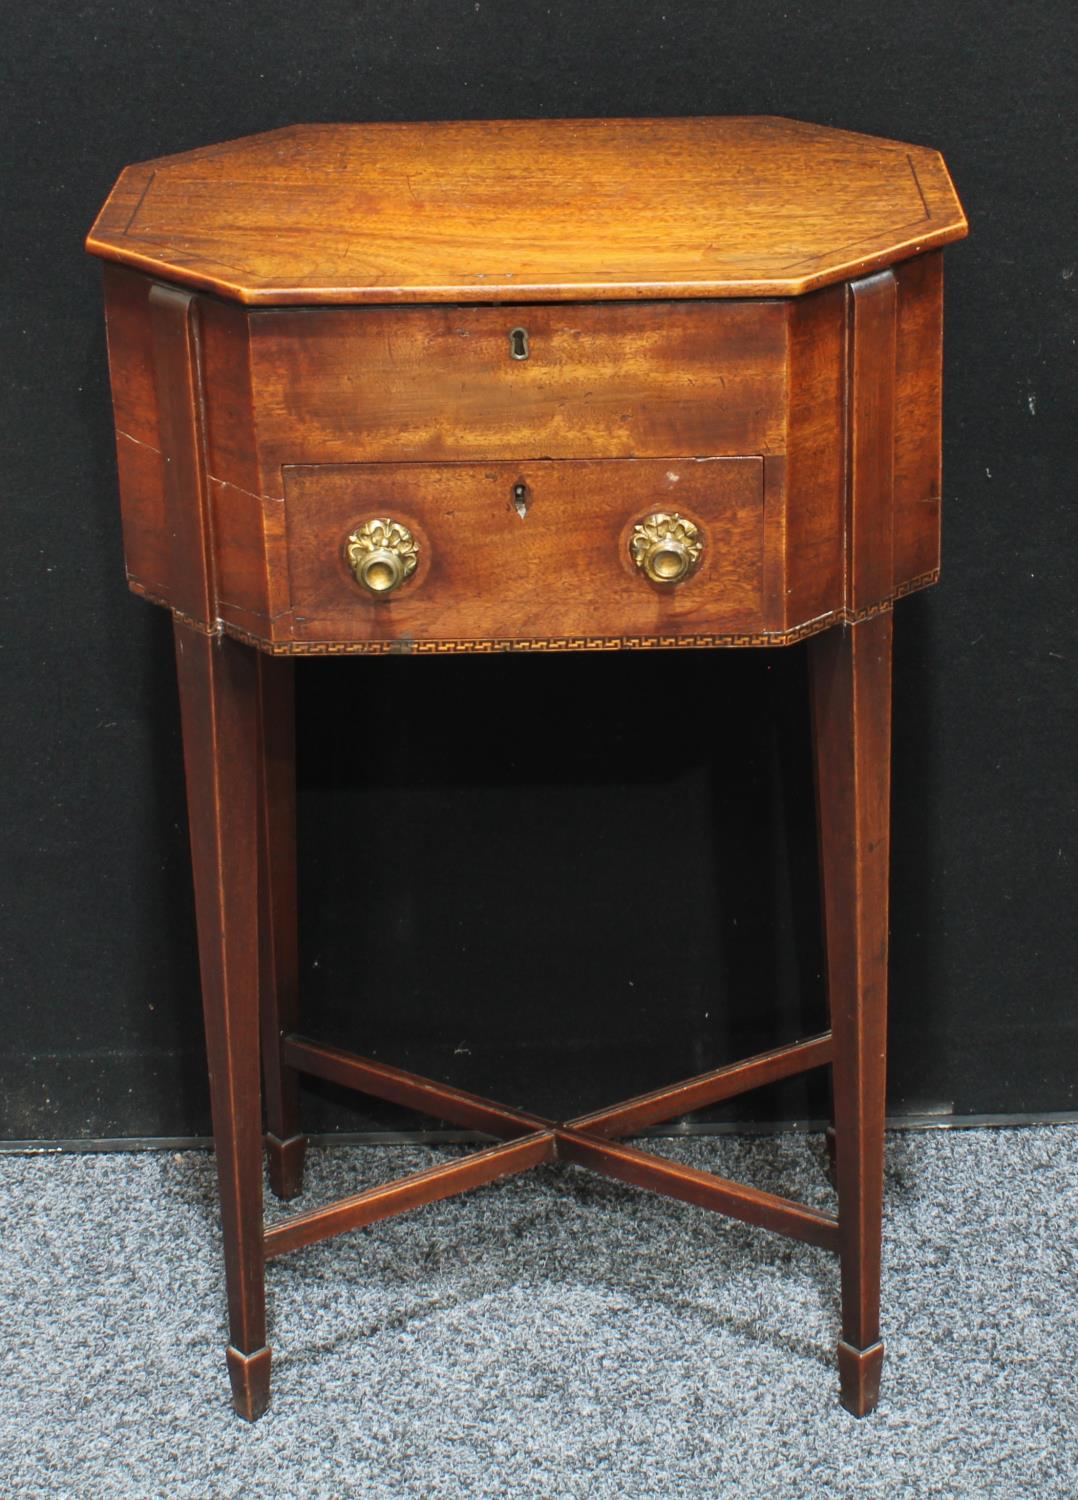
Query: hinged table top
[{"x": 529, "y": 210}]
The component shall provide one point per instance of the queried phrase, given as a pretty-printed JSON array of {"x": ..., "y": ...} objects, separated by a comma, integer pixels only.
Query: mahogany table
[{"x": 525, "y": 386}]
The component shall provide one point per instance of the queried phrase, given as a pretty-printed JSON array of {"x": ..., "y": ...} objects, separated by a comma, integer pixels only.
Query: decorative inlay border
[
  {"x": 488, "y": 647},
  {"x": 553, "y": 644},
  {"x": 922, "y": 581}
]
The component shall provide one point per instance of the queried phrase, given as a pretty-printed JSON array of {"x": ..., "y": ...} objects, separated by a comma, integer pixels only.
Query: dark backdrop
[{"x": 515, "y": 871}]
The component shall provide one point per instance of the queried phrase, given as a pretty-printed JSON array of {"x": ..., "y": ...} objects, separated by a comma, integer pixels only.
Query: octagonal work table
[{"x": 525, "y": 386}]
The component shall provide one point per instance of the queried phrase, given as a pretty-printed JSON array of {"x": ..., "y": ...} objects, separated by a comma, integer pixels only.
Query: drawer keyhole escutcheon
[
  {"x": 382, "y": 555},
  {"x": 518, "y": 343},
  {"x": 666, "y": 547}
]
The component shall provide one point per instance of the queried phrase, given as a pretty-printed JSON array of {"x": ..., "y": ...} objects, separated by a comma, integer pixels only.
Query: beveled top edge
[{"x": 915, "y": 213}]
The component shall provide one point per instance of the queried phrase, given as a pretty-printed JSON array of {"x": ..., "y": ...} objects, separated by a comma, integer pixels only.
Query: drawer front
[
  {"x": 527, "y": 551},
  {"x": 478, "y": 383}
]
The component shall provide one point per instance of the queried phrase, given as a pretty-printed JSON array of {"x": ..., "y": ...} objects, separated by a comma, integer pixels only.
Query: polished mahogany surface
[{"x": 508, "y": 210}]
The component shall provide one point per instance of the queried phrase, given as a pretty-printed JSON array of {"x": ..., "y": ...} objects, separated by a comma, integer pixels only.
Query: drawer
[
  {"x": 347, "y": 385},
  {"x": 537, "y": 550}
]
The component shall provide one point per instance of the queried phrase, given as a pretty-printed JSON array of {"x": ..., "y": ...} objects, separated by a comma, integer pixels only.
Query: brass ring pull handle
[
  {"x": 382, "y": 555},
  {"x": 666, "y": 547}
]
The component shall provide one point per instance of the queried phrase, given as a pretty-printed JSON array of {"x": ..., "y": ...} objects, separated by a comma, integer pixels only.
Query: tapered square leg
[
  {"x": 219, "y": 707},
  {"x": 851, "y": 694},
  {"x": 278, "y": 956}
]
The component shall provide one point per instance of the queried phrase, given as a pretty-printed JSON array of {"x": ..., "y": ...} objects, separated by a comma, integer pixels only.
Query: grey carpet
[{"x": 552, "y": 1336}]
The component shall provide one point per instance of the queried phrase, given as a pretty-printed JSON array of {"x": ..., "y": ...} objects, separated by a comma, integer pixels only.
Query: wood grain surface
[
  {"x": 620, "y": 380},
  {"x": 511, "y": 210}
]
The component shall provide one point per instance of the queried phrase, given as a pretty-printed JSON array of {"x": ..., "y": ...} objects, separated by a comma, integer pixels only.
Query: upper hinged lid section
[{"x": 529, "y": 210}]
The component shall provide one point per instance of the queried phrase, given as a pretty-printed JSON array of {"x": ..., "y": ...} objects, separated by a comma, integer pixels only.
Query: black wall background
[{"x": 556, "y": 879}]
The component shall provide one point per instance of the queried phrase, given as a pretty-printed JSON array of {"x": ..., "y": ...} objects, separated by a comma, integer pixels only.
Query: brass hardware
[
  {"x": 518, "y": 343},
  {"x": 382, "y": 554},
  {"x": 666, "y": 547},
  {"x": 521, "y": 496}
]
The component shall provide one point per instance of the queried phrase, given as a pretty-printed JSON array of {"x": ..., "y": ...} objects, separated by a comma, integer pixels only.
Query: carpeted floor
[{"x": 555, "y": 1336}]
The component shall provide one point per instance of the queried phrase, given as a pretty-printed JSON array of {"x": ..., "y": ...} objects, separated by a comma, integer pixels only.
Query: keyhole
[
  {"x": 520, "y": 498},
  {"x": 518, "y": 343}
]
